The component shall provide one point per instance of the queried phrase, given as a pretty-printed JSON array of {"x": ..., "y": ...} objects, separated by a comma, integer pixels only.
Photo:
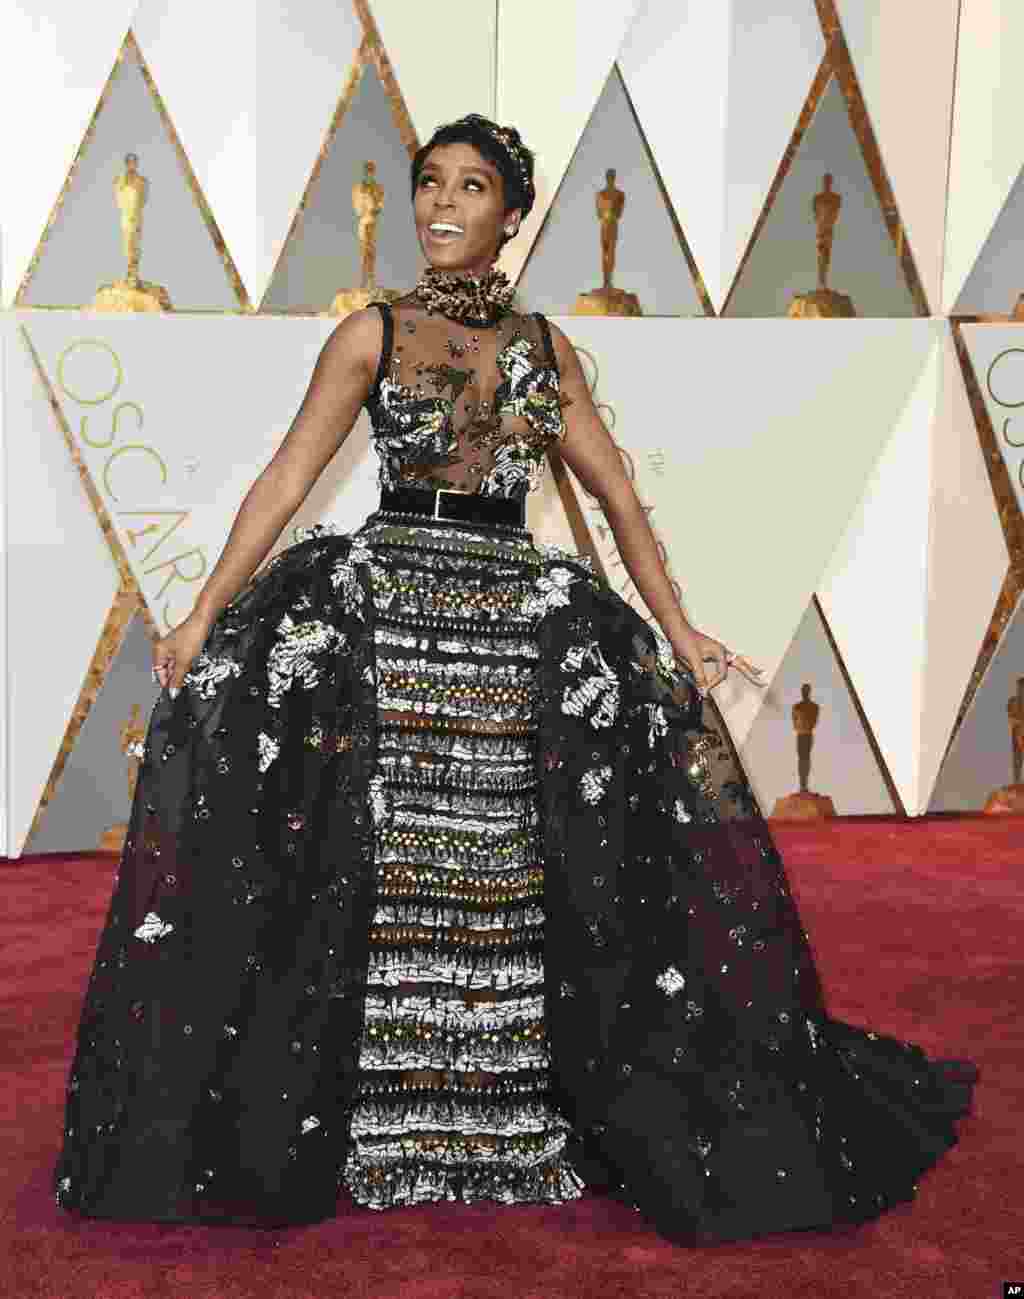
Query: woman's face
[{"x": 460, "y": 188}]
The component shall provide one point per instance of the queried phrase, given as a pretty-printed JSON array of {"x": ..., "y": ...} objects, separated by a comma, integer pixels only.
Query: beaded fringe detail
[{"x": 453, "y": 1096}]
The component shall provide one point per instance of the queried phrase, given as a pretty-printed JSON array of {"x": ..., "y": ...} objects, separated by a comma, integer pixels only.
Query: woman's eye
[{"x": 474, "y": 182}]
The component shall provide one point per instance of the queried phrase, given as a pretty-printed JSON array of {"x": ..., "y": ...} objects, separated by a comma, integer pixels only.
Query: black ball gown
[{"x": 442, "y": 882}]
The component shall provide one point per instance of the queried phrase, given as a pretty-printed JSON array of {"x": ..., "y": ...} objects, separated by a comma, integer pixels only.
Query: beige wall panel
[
  {"x": 251, "y": 90},
  {"x": 553, "y": 61},
  {"x": 420, "y": 46},
  {"x": 904, "y": 56},
  {"x": 57, "y": 56},
  {"x": 987, "y": 147}
]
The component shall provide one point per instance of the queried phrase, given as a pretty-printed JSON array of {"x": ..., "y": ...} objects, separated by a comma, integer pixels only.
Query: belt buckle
[{"x": 446, "y": 491}]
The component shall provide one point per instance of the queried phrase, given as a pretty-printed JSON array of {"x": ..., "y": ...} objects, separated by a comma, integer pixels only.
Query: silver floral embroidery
[
  {"x": 378, "y": 799},
  {"x": 593, "y": 784},
  {"x": 207, "y": 673},
  {"x": 314, "y": 531},
  {"x": 671, "y": 981},
  {"x": 666, "y": 655},
  {"x": 294, "y": 653},
  {"x": 153, "y": 928},
  {"x": 551, "y": 551},
  {"x": 345, "y": 580},
  {"x": 310, "y": 1123},
  {"x": 680, "y": 812},
  {"x": 269, "y": 750},
  {"x": 658, "y": 723},
  {"x": 599, "y": 692},
  {"x": 550, "y": 591}
]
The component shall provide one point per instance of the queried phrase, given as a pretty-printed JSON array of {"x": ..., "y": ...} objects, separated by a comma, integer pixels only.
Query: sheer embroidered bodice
[{"x": 458, "y": 406}]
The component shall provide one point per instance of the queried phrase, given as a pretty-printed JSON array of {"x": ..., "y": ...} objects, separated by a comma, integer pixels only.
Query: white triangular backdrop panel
[
  {"x": 61, "y": 584},
  {"x": 987, "y": 147},
  {"x": 723, "y": 412},
  {"x": 547, "y": 95},
  {"x": 912, "y": 130},
  {"x": 409, "y": 33},
  {"x": 906, "y": 621},
  {"x": 57, "y": 56},
  {"x": 709, "y": 64},
  {"x": 251, "y": 90}
]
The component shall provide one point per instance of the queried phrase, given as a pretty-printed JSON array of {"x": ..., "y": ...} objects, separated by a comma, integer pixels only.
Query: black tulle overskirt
[{"x": 691, "y": 1050}]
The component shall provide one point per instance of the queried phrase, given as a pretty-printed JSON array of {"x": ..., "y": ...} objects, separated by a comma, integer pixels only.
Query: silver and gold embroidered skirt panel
[{"x": 453, "y": 1092}]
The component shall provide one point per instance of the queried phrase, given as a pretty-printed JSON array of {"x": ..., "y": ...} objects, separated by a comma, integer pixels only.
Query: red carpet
[{"x": 916, "y": 928}]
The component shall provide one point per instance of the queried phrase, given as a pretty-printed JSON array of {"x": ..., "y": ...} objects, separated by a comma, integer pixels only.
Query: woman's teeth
[{"x": 444, "y": 231}]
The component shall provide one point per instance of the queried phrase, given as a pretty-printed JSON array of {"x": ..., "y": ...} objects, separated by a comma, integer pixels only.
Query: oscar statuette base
[
  {"x": 803, "y": 806},
  {"x": 112, "y": 840},
  {"x": 607, "y": 302},
  {"x": 821, "y": 304},
  {"x": 346, "y": 301},
  {"x": 1008, "y": 799},
  {"x": 126, "y": 295}
]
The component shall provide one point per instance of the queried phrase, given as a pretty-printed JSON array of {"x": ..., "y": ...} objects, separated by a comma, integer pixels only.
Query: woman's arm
[
  {"x": 339, "y": 385},
  {"x": 589, "y": 451}
]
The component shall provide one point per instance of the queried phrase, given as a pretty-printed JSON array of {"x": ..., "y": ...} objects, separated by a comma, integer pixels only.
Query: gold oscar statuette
[
  {"x": 608, "y": 300},
  {"x": 131, "y": 293},
  {"x": 804, "y": 805},
  {"x": 823, "y": 302},
  {"x": 1010, "y": 798},
  {"x": 367, "y": 202},
  {"x": 132, "y": 737}
]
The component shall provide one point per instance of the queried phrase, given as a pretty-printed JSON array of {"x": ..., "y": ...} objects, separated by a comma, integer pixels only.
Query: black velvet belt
[{"x": 459, "y": 507}]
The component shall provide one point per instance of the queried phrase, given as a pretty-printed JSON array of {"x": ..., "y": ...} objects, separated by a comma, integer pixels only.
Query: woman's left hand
[{"x": 697, "y": 650}]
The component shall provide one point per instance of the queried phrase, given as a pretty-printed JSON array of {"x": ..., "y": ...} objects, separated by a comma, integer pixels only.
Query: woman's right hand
[{"x": 173, "y": 653}]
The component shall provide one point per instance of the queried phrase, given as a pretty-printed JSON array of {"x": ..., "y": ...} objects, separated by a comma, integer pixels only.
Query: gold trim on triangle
[
  {"x": 837, "y": 62},
  {"x": 385, "y": 70},
  {"x": 115, "y": 627},
  {"x": 862, "y": 717},
  {"x": 370, "y": 51},
  {"x": 1010, "y": 517},
  {"x": 352, "y": 80},
  {"x": 818, "y": 87},
  {"x": 703, "y": 297},
  {"x": 129, "y": 44},
  {"x": 839, "y": 56}
]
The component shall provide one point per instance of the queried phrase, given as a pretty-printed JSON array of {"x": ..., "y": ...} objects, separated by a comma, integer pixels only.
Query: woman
[{"x": 442, "y": 880}]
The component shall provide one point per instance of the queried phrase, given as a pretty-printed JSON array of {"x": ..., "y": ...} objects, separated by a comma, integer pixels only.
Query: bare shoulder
[
  {"x": 565, "y": 353},
  {"x": 355, "y": 343}
]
